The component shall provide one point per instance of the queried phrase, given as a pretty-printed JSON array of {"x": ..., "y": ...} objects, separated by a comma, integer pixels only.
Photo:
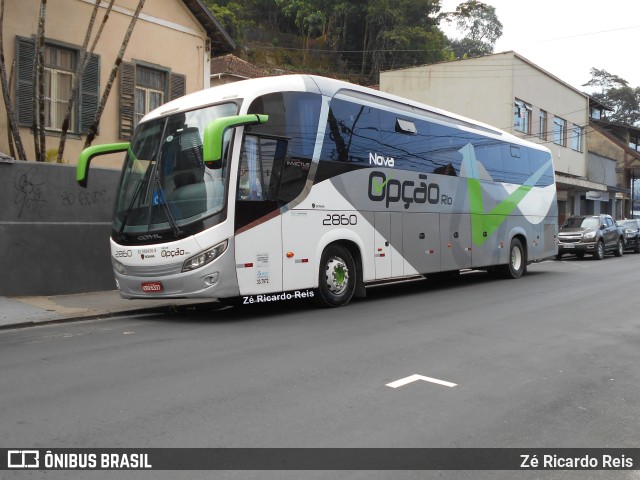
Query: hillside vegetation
[{"x": 354, "y": 39}]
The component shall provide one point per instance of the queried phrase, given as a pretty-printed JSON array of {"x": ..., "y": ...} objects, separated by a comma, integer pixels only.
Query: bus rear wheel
[
  {"x": 337, "y": 277},
  {"x": 517, "y": 260}
]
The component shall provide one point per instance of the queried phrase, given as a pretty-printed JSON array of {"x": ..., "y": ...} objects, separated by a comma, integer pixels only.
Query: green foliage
[
  {"x": 605, "y": 80},
  {"x": 617, "y": 95},
  {"x": 51, "y": 156},
  {"x": 367, "y": 36},
  {"x": 479, "y": 26},
  {"x": 227, "y": 16},
  {"x": 466, "y": 48}
]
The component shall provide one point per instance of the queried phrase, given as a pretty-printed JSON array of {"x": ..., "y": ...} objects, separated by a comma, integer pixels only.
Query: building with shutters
[{"x": 169, "y": 54}]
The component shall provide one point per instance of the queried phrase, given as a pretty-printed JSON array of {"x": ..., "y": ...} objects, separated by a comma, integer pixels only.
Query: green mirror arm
[
  {"x": 214, "y": 133},
  {"x": 82, "y": 170}
]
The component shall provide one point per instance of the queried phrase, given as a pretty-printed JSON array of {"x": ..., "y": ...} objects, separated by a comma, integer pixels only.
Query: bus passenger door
[
  {"x": 258, "y": 229},
  {"x": 455, "y": 237}
]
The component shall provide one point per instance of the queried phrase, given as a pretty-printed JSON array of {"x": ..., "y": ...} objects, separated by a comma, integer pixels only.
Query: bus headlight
[
  {"x": 118, "y": 267},
  {"x": 205, "y": 257}
]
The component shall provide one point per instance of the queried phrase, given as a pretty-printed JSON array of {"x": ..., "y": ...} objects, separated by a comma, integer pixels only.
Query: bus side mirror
[
  {"x": 82, "y": 170},
  {"x": 214, "y": 133}
]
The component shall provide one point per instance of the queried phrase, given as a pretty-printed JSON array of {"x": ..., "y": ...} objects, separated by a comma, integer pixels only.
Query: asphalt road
[{"x": 549, "y": 360}]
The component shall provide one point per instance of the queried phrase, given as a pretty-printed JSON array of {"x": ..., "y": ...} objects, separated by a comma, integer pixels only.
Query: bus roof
[{"x": 247, "y": 90}]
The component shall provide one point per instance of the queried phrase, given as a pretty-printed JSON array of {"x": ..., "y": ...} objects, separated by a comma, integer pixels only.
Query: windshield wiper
[
  {"x": 162, "y": 200},
  {"x": 125, "y": 217}
]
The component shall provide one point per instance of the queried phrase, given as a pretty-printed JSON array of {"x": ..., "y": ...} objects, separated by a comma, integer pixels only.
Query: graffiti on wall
[{"x": 29, "y": 196}]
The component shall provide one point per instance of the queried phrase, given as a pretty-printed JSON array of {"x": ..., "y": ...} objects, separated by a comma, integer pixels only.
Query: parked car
[
  {"x": 592, "y": 234},
  {"x": 631, "y": 234}
]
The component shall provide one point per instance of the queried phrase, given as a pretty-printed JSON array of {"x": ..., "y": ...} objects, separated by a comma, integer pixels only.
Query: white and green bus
[{"x": 301, "y": 186}]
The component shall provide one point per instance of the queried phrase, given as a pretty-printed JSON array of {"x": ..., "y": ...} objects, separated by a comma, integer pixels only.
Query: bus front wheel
[{"x": 337, "y": 277}]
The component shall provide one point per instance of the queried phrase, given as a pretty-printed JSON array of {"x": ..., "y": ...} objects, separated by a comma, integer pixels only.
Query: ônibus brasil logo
[{"x": 390, "y": 190}]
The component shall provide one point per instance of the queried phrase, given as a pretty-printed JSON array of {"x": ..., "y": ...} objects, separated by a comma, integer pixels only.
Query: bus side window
[
  {"x": 260, "y": 168},
  {"x": 488, "y": 152},
  {"x": 443, "y": 148},
  {"x": 352, "y": 134},
  {"x": 406, "y": 140},
  {"x": 516, "y": 164},
  {"x": 537, "y": 160}
]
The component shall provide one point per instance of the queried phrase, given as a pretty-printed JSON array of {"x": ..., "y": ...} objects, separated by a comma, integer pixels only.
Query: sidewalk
[{"x": 16, "y": 312}]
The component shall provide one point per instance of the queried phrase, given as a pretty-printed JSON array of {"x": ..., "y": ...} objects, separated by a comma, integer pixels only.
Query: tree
[
  {"x": 616, "y": 93},
  {"x": 309, "y": 17},
  {"x": 467, "y": 48},
  {"x": 38, "y": 85},
  {"x": 83, "y": 61},
  {"x": 479, "y": 26},
  {"x": 228, "y": 17},
  {"x": 605, "y": 80},
  {"x": 401, "y": 33},
  {"x": 93, "y": 129},
  {"x": 13, "y": 123}
]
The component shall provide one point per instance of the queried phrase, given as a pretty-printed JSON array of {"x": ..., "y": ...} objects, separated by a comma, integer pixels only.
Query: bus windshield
[{"x": 165, "y": 184}]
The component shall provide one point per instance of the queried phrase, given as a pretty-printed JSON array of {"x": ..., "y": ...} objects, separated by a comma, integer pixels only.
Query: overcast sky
[{"x": 568, "y": 37}]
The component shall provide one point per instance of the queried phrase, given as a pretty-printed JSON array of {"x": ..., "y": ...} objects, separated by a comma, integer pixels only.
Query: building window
[
  {"x": 559, "y": 131},
  {"x": 522, "y": 116},
  {"x": 60, "y": 63},
  {"x": 542, "y": 131},
  {"x": 143, "y": 88},
  {"x": 59, "y": 75},
  {"x": 634, "y": 141},
  {"x": 576, "y": 138},
  {"x": 149, "y": 91}
]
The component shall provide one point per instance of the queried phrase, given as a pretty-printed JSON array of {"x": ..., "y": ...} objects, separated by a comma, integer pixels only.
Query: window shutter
[
  {"x": 177, "y": 85},
  {"x": 25, "y": 53},
  {"x": 127, "y": 99},
  {"x": 89, "y": 93}
]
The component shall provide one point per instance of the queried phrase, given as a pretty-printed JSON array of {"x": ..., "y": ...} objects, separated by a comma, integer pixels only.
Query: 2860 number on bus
[{"x": 340, "y": 219}]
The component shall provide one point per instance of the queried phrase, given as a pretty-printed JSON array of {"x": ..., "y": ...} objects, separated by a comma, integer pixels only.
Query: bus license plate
[{"x": 151, "y": 286}]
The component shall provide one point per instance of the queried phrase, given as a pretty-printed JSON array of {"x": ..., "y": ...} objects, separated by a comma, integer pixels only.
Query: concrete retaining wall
[{"x": 54, "y": 235}]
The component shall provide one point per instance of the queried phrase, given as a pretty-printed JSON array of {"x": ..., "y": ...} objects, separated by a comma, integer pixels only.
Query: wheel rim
[
  {"x": 620, "y": 248},
  {"x": 516, "y": 259},
  {"x": 337, "y": 275},
  {"x": 600, "y": 250}
]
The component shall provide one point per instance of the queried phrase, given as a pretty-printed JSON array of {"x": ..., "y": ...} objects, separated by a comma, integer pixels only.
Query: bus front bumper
[{"x": 214, "y": 280}]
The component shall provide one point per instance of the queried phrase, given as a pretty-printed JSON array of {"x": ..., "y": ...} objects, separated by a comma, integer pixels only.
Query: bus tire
[
  {"x": 517, "y": 265},
  {"x": 337, "y": 277}
]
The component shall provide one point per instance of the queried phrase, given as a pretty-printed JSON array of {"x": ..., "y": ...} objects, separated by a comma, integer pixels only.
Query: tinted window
[
  {"x": 293, "y": 121},
  {"x": 540, "y": 162},
  {"x": 363, "y": 136},
  {"x": 352, "y": 133},
  {"x": 489, "y": 154},
  {"x": 408, "y": 146},
  {"x": 443, "y": 148},
  {"x": 516, "y": 164}
]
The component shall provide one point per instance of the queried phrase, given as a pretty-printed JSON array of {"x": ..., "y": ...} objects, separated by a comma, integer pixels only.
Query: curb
[{"x": 99, "y": 315}]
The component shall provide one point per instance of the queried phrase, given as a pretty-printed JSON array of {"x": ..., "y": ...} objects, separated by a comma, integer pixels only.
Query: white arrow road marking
[{"x": 414, "y": 378}]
